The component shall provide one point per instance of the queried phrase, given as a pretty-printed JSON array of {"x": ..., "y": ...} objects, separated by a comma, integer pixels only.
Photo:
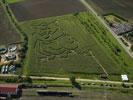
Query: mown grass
[
  {"x": 13, "y": 1},
  {"x": 62, "y": 45}
]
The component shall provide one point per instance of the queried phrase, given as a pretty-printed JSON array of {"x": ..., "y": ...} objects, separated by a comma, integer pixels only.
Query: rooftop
[
  {"x": 8, "y": 88},
  {"x": 124, "y": 77}
]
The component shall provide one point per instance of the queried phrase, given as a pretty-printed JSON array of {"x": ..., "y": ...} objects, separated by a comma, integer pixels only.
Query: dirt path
[
  {"x": 67, "y": 79},
  {"x": 104, "y": 23},
  {"x": 97, "y": 61}
]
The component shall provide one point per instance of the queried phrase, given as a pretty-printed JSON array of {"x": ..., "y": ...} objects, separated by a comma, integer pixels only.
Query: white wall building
[{"x": 124, "y": 78}]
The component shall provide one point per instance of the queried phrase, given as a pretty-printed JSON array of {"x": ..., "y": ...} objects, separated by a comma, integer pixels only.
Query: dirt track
[{"x": 33, "y": 9}]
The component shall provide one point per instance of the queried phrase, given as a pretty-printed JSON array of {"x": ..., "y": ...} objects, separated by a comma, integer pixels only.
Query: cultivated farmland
[
  {"x": 121, "y": 7},
  {"x": 34, "y": 9},
  {"x": 8, "y": 33},
  {"x": 70, "y": 45}
]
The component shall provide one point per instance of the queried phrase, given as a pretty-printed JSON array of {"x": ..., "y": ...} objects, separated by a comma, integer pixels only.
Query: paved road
[
  {"x": 67, "y": 79},
  {"x": 104, "y": 23}
]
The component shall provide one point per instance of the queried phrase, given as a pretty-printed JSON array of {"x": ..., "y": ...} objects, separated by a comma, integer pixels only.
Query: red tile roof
[{"x": 8, "y": 88}]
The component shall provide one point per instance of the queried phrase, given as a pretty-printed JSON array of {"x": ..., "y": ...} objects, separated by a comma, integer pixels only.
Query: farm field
[
  {"x": 34, "y": 9},
  {"x": 64, "y": 45},
  {"x": 121, "y": 7},
  {"x": 7, "y": 32}
]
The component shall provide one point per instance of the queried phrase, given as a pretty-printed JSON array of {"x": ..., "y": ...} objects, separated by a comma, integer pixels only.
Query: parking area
[{"x": 9, "y": 56}]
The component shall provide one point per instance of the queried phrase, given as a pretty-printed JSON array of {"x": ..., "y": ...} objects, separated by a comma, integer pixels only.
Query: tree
[
  {"x": 28, "y": 79},
  {"x": 74, "y": 83},
  {"x": 124, "y": 85},
  {"x": 19, "y": 79},
  {"x": 72, "y": 79},
  {"x": 132, "y": 48}
]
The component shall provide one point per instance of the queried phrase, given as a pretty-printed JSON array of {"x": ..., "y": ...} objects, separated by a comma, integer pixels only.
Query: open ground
[
  {"x": 8, "y": 34},
  {"x": 121, "y": 7},
  {"x": 34, "y": 9}
]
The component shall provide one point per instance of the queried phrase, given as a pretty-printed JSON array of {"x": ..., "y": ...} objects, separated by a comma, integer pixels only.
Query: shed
[{"x": 124, "y": 78}]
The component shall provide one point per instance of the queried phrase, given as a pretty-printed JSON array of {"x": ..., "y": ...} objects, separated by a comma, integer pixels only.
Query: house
[
  {"x": 124, "y": 78},
  {"x": 10, "y": 90}
]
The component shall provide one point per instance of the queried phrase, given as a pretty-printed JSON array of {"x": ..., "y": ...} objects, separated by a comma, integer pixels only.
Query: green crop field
[
  {"x": 73, "y": 44},
  {"x": 13, "y": 1}
]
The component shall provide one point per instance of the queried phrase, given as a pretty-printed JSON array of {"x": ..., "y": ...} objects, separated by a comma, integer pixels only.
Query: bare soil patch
[
  {"x": 7, "y": 33},
  {"x": 34, "y": 9},
  {"x": 121, "y": 7}
]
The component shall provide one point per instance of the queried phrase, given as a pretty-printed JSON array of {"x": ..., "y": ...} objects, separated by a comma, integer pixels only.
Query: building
[
  {"x": 3, "y": 50},
  {"x": 124, "y": 78},
  {"x": 3, "y": 69},
  {"x": 10, "y": 56},
  {"x": 12, "y": 48},
  {"x": 10, "y": 90}
]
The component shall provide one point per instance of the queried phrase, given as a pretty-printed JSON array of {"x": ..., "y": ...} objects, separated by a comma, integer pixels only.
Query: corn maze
[
  {"x": 63, "y": 46},
  {"x": 50, "y": 43}
]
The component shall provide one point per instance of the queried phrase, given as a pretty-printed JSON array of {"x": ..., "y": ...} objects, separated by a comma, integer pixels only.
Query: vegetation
[
  {"x": 74, "y": 82},
  {"x": 73, "y": 44},
  {"x": 129, "y": 37},
  {"x": 107, "y": 40},
  {"x": 72, "y": 79},
  {"x": 115, "y": 18},
  {"x": 13, "y": 1},
  {"x": 132, "y": 48},
  {"x": 16, "y": 79},
  {"x": 14, "y": 23}
]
